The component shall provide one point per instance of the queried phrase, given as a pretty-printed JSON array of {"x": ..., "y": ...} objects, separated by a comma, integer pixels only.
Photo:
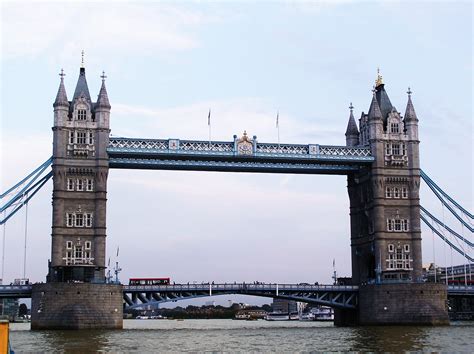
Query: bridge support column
[
  {"x": 76, "y": 306},
  {"x": 403, "y": 304}
]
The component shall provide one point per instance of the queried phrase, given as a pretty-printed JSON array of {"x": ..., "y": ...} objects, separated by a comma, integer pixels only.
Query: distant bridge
[{"x": 337, "y": 296}]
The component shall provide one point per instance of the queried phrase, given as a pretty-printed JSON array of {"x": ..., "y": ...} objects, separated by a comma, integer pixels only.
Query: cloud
[{"x": 31, "y": 29}]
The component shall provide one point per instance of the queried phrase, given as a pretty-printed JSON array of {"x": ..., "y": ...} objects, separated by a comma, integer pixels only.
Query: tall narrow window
[
  {"x": 88, "y": 219},
  {"x": 80, "y": 184},
  {"x": 396, "y": 193},
  {"x": 404, "y": 151},
  {"x": 90, "y": 185},
  {"x": 88, "y": 245},
  {"x": 389, "y": 224},
  {"x": 68, "y": 245},
  {"x": 404, "y": 192},
  {"x": 405, "y": 225},
  {"x": 398, "y": 225},
  {"x": 71, "y": 137},
  {"x": 81, "y": 114},
  {"x": 395, "y": 149},
  {"x": 70, "y": 184},
  {"x": 387, "y": 149},
  {"x": 81, "y": 137},
  {"x": 79, "y": 220},
  {"x": 394, "y": 128},
  {"x": 91, "y": 138},
  {"x": 70, "y": 219},
  {"x": 78, "y": 252},
  {"x": 388, "y": 192}
]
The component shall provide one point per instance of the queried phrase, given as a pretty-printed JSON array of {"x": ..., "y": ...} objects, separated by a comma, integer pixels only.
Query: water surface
[{"x": 231, "y": 335}]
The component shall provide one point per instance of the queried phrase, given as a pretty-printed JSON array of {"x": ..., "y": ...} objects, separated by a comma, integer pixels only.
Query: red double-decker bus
[{"x": 149, "y": 281}]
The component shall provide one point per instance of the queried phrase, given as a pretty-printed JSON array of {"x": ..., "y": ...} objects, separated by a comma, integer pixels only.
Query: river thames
[{"x": 232, "y": 335}]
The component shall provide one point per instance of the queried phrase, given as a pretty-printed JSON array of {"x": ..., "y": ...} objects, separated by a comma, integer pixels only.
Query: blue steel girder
[
  {"x": 329, "y": 295},
  {"x": 174, "y": 154}
]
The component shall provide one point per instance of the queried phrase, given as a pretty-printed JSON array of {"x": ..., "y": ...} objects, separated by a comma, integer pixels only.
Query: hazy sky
[{"x": 168, "y": 63}]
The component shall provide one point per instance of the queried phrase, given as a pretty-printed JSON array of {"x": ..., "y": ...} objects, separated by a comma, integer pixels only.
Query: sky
[{"x": 168, "y": 63}]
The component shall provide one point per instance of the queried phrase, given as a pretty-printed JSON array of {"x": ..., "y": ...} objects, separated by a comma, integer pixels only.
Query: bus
[{"x": 149, "y": 281}]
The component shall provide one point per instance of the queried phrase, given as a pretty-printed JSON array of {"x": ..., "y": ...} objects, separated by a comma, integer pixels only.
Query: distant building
[
  {"x": 281, "y": 305},
  {"x": 457, "y": 275}
]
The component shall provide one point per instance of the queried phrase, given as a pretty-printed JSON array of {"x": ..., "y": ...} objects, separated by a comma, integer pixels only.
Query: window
[
  {"x": 394, "y": 128},
  {"x": 91, "y": 138},
  {"x": 69, "y": 254},
  {"x": 88, "y": 219},
  {"x": 79, "y": 184},
  {"x": 71, "y": 137},
  {"x": 68, "y": 245},
  {"x": 405, "y": 224},
  {"x": 70, "y": 219},
  {"x": 90, "y": 185},
  {"x": 395, "y": 149},
  {"x": 398, "y": 225},
  {"x": 390, "y": 225},
  {"x": 79, "y": 220},
  {"x": 78, "y": 252},
  {"x": 388, "y": 192},
  {"x": 81, "y": 137},
  {"x": 81, "y": 114},
  {"x": 404, "y": 152},
  {"x": 70, "y": 184},
  {"x": 87, "y": 254},
  {"x": 406, "y": 248},
  {"x": 396, "y": 193},
  {"x": 387, "y": 149},
  {"x": 88, "y": 245},
  {"x": 391, "y": 248},
  {"x": 404, "y": 192}
]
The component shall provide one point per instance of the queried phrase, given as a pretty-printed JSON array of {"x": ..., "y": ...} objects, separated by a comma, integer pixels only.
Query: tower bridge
[{"x": 381, "y": 162}]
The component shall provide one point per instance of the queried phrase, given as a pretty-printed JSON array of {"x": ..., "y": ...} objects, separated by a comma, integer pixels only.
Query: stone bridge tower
[
  {"x": 76, "y": 294},
  {"x": 385, "y": 218}
]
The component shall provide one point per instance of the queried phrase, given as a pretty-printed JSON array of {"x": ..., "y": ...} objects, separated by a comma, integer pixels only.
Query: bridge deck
[{"x": 174, "y": 154}]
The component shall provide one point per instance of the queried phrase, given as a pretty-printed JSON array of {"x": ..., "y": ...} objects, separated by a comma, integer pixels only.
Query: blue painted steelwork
[
  {"x": 15, "y": 291},
  {"x": 175, "y": 154},
  {"x": 451, "y": 231},
  {"x": 437, "y": 190},
  {"x": 457, "y": 249},
  {"x": 338, "y": 296},
  {"x": 432, "y": 185},
  {"x": 28, "y": 189}
]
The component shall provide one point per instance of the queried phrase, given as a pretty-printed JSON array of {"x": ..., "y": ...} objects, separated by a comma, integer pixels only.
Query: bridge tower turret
[
  {"x": 80, "y": 169},
  {"x": 75, "y": 295},
  {"x": 385, "y": 218}
]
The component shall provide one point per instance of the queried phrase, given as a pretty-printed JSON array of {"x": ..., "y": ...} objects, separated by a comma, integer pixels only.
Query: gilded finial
[
  {"x": 409, "y": 91},
  {"x": 62, "y": 74},
  {"x": 82, "y": 59},
  {"x": 379, "y": 80},
  {"x": 103, "y": 77}
]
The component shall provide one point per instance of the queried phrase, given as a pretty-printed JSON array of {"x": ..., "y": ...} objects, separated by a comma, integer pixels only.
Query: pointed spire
[
  {"x": 410, "y": 114},
  {"x": 351, "y": 125},
  {"x": 81, "y": 88},
  {"x": 103, "y": 98},
  {"x": 374, "y": 110},
  {"x": 61, "y": 97}
]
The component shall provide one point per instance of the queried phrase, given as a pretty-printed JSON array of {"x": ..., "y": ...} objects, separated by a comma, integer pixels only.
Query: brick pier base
[{"x": 76, "y": 306}]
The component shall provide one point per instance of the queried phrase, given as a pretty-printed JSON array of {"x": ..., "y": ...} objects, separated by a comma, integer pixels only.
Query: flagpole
[
  {"x": 278, "y": 129},
  {"x": 209, "y": 125}
]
